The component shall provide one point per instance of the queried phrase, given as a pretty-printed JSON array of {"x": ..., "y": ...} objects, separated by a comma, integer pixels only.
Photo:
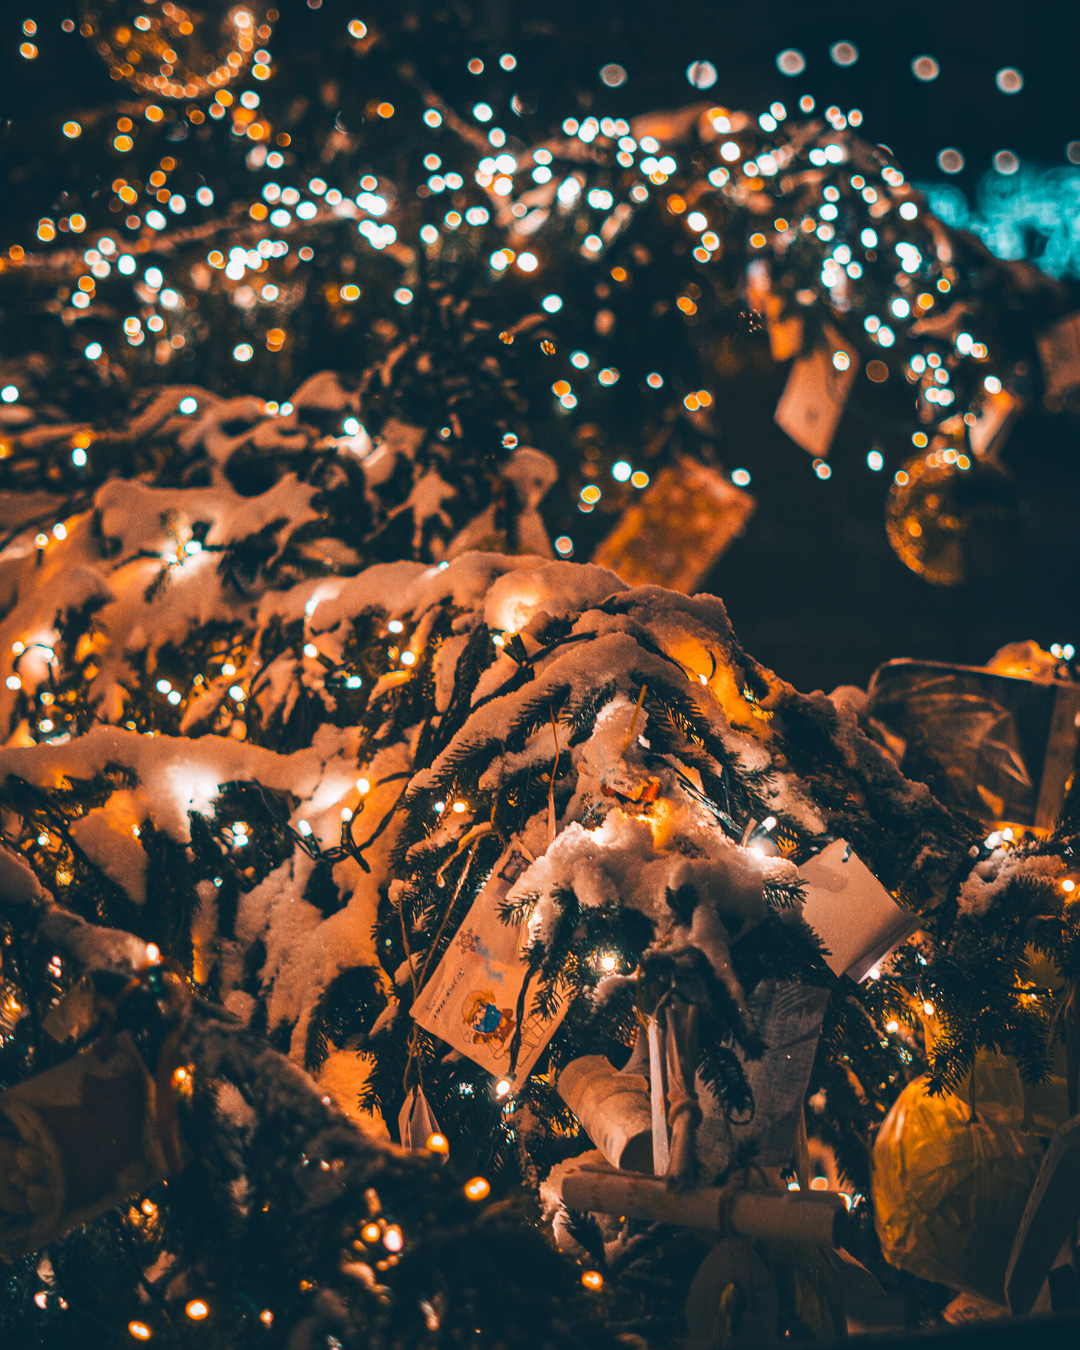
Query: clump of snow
[{"x": 989, "y": 879}]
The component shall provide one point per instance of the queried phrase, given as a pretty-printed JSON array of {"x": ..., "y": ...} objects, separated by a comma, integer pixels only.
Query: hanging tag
[
  {"x": 676, "y": 530},
  {"x": 788, "y": 1018},
  {"x": 1048, "y": 1220},
  {"x": 658, "y": 1096},
  {"x": 471, "y": 1001},
  {"x": 785, "y": 334},
  {"x": 1059, "y": 353},
  {"x": 996, "y": 414},
  {"x": 732, "y": 1273},
  {"x": 815, "y": 394},
  {"x": 75, "y": 1141},
  {"x": 851, "y": 911},
  {"x": 416, "y": 1121}
]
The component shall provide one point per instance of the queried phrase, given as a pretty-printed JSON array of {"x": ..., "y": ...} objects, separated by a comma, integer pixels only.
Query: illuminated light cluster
[{"x": 748, "y": 163}]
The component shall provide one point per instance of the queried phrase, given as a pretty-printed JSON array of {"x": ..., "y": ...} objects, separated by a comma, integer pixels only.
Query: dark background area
[{"x": 813, "y": 588}]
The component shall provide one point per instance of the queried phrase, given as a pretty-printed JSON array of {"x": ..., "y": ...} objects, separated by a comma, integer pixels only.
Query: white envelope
[{"x": 851, "y": 911}]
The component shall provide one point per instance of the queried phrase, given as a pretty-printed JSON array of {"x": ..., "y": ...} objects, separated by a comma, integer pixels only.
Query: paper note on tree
[
  {"x": 813, "y": 399},
  {"x": 851, "y": 911},
  {"x": 672, "y": 535},
  {"x": 471, "y": 1001}
]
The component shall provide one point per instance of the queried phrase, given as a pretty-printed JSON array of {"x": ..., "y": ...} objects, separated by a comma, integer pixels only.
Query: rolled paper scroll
[
  {"x": 75, "y": 1141},
  {"x": 789, "y": 1216},
  {"x": 658, "y": 1095},
  {"x": 613, "y": 1108},
  {"x": 684, "y": 1113},
  {"x": 676, "y": 1112}
]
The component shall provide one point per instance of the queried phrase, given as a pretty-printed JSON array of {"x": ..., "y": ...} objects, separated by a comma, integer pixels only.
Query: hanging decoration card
[
  {"x": 75, "y": 1141},
  {"x": 851, "y": 911},
  {"x": 1049, "y": 1218},
  {"x": 788, "y": 1016},
  {"x": 996, "y": 746},
  {"x": 471, "y": 1001},
  {"x": 677, "y": 530},
  {"x": 817, "y": 389},
  {"x": 785, "y": 334},
  {"x": 996, "y": 414},
  {"x": 1059, "y": 353}
]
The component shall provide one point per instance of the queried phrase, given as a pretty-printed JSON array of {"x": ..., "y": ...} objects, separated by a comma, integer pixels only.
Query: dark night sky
[{"x": 813, "y": 589}]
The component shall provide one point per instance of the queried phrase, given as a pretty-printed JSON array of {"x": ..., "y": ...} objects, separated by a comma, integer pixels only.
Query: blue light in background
[{"x": 1033, "y": 214}]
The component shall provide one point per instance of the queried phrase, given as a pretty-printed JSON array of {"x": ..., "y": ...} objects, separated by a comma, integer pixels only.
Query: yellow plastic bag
[{"x": 948, "y": 1190}]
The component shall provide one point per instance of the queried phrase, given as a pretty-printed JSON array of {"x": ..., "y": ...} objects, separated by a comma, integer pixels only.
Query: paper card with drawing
[{"x": 471, "y": 1000}]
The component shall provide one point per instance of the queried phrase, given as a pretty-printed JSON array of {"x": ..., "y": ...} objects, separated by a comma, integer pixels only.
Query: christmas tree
[{"x": 303, "y": 725}]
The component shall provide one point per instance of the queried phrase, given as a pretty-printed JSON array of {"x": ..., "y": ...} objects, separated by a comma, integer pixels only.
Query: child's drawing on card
[{"x": 489, "y": 1024}]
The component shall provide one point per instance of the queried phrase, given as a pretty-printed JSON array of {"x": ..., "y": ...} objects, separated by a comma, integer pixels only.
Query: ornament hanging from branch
[
  {"x": 174, "y": 52},
  {"x": 82, "y": 1136},
  {"x": 952, "y": 515}
]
